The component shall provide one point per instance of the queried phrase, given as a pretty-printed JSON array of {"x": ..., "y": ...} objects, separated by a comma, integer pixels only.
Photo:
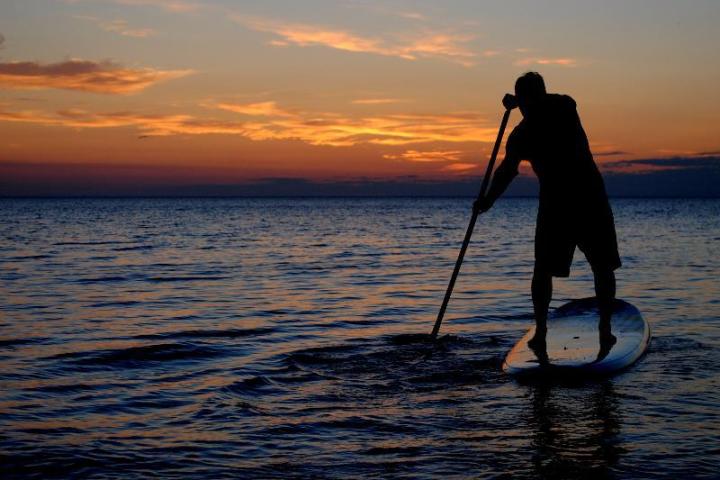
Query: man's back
[{"x": 553, "y": 140}]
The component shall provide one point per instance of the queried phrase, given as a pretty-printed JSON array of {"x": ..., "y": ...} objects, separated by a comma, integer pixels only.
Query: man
[{"x": 574, "y": 208}]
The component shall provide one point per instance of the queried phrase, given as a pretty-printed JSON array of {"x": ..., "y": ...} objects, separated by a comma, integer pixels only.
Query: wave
[
  {"x": 664, "y": 344},
  {"x": 138, "y": 247},
  {"x": 469, "y": 372},
  {"x": 226, "y": 333},
  {"x": 248, "y": 385},
  {"x": 109, "y": 279},
  {"x": 157, "y": 279},
  {"x": 30, "y": 257},
  {"x": 118, "y": 303},
  {"x": 136, "y": 356},
  {"x": 104, "y": 242},
  {"x": 74, "y": 387},
  {"x": 13, "y": 342},
  {"x": 185, "y": 278}
]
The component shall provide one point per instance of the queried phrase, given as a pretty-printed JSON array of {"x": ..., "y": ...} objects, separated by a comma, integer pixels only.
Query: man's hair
[{"x": 531, "y": 85}]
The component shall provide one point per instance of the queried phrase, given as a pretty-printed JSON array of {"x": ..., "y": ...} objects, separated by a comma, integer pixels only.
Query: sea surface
[{"x": 286, "y": 338}]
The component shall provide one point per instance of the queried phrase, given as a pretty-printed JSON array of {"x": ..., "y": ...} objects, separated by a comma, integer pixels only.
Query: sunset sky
[{"x": 147, "y": 96}]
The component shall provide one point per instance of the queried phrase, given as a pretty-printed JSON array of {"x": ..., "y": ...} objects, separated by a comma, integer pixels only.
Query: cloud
[
  {"x": 664, "y": 177},
  {"x": 176, "y": 6},
  {"x": 83, "y": 75},
  {"x": 335, "y": 130},
  {"x": 255, "y": 109},
  {"x": 270, "y": 121},
  {"x": 412, "y": 15},
  {"x": 179, "y": 6},
  {"x": 427, "y": 156},
  {"x": 428, "y": 44},
  {"x": 610, "y": 153},
  {"x": 562, "y": 62},
  {"x": 385, "y": 11},
  {"x": 443, "y": 45},
  {"x": 308, "y": 35},
  {"x": 148, "y": 124},
  {"x": 459, "y": 167},
  {"x": 66, "y": 179},
  {"x": 705, "y": 161},
  {"x": 267, "y": 121},
  {"x": 2, "y": 40},
  {"x": 118, "y": 26},
  {"x": 20, "y": 178},
  {"x": 376, "y": 101}
]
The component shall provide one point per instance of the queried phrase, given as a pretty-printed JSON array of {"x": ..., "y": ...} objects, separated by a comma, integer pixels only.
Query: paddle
[{"x": 509, "y": 103}]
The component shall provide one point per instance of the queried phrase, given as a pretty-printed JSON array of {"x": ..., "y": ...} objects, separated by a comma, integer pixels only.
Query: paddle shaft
[{"x": 471, "y": 226}]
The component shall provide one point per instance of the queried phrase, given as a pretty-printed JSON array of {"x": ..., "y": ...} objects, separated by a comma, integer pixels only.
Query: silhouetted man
[{"x": 574, "y": 208}]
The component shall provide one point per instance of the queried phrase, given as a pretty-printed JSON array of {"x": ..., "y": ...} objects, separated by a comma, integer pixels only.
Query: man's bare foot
[
  {"x": 607, "y": 340},
  {"x": 539, "y": 346},
  {"x": 538, "y": 340}
]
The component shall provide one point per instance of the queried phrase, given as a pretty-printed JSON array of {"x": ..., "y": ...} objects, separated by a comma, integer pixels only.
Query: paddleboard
[{"x": 573, "y": 341}]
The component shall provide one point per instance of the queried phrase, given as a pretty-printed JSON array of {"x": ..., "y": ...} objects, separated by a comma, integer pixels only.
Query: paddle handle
[{"x": 471, "y": 226}]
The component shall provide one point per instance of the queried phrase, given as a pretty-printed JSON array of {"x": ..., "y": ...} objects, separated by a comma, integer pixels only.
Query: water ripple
[{"x": 288, "y": 338}]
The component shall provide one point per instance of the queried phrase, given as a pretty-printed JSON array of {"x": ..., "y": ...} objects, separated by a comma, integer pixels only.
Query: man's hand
[
  {"x": 509, "y": 101},
  {"x": 482, "y": 205}
]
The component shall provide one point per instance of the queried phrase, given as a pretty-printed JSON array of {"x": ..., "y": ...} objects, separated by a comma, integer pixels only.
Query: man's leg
[
  {"x": 605, "y": 292},
  {"x": 541, "y": 295}
]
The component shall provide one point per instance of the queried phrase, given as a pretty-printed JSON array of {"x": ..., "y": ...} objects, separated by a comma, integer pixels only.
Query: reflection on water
[
  {"x": 576, "y": 430},
  {"x": 256, "y": 338}
]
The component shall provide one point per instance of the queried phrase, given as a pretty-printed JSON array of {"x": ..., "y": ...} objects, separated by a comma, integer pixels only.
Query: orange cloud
[
  {"x": 383, "y": 10},
  {"x": 412, "y": 15},
  {"x": 255, "y": 109},
  {"x": 269, "y": 122},
  {"x": 563, "y": 62},
  {"x": 427, "y": 156},
  {"x": 428, "y": 44},
  {"x": 459, "y": 167},
  {"x": 376, "y": 101},
  {"x": 443, "y": 45},
  {"x": 169, "y": 5},
  {"x": 83, "y": 75},
  {"x": 177, "y": 6},
  {"x": 149, "y": 125},
  {"x": 336, "y": 130},
  {"x": 118, "y": 26},
  {"x": 308, "y": 35}
]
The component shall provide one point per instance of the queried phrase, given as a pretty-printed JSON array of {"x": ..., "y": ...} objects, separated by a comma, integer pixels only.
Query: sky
[{"x": 220, "y": 97}]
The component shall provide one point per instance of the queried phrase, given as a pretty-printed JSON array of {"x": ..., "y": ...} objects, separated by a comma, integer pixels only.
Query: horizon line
[{"x": 129, "y": 197}]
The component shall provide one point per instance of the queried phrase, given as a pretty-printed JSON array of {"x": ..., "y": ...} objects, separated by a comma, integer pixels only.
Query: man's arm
[{"x": 504, "y": 175}]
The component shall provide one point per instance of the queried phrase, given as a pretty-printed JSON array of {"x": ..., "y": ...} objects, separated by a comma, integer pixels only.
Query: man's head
[{"x": 529, "y": 90}]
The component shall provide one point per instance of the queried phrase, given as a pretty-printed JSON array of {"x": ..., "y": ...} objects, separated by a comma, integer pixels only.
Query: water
[{"x": 279, "y": 338}]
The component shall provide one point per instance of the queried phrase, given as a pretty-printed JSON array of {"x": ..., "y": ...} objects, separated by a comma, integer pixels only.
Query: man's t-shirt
[
  {"x": 554, "y": 142},
  {"x": 574, "y": 208}
]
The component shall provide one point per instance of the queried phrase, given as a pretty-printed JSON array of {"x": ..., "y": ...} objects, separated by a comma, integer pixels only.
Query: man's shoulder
[
  {"x": 562, "y": 100},
  {"x": 518, "y": 139},
  {"x": 519, "y": 131}
]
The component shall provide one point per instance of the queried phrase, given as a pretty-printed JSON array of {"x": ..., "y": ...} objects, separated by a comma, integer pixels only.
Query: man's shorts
[{"x": 558, "y": 233}]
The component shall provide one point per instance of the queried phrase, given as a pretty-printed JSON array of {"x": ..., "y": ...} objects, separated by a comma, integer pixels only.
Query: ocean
[{"x": 283, "y": 338}]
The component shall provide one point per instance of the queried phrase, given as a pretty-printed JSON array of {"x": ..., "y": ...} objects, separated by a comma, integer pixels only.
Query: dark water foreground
[{"x": 282, "y": 339}]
